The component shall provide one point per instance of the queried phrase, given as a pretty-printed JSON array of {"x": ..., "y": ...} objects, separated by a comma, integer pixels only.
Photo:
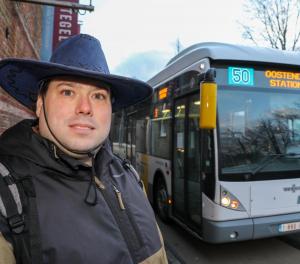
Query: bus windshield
[{"x": 259, "y": 132}]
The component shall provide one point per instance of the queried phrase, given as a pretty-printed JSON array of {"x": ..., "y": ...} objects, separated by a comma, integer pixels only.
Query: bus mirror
[{"x": 208, "y": 101}]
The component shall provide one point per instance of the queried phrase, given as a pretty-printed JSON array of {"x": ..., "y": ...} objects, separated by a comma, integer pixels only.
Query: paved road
[{"x": 182, "y": 248}]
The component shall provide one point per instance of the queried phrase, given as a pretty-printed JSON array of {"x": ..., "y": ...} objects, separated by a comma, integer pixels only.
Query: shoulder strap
[
  {"x": 27, "y": 244},
  {"x": 11, "y": 208},
  {"x": 128, "y": 166},
  {"x": 10, "y": 202}
]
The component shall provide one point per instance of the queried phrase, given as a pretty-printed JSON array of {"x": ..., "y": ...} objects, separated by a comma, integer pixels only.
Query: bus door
[
  {"x": 186, "y": 193},
  {"x": 130, "y": 139}
]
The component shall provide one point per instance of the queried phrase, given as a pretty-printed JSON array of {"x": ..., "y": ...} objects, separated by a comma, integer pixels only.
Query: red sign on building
[{"x": 65, "y": 23}]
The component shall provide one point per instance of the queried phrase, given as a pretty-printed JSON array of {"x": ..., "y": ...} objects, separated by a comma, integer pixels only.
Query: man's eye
[
  {"x": 99, "y": 96},
  {"x": 67, "y": 92}
]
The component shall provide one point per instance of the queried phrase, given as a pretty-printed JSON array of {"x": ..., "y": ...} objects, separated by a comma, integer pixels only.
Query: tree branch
[{"x": 278, "y": 23}]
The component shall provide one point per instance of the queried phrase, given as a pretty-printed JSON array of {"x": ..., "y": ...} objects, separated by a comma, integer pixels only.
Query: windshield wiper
[{"x": 270, "y": 158}]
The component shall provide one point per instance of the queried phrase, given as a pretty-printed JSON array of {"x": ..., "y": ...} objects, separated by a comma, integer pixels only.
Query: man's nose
[{"x": 84, "y": 106}]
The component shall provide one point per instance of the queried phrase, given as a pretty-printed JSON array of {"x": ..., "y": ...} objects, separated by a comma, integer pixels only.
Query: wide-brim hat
[{"x": 78, "y": 56}]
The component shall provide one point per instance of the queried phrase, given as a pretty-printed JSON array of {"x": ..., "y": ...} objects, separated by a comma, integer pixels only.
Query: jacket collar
[{"x": 21, "y": 141}]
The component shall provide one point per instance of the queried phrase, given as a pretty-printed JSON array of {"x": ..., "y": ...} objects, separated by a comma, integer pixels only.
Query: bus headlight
[
  {"x": 225, "y": 201},
  {"x": 234, "y": 204},
  {"x": 229, "y": 201}
]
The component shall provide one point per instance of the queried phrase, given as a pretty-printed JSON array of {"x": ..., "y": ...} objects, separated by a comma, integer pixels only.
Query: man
[{"x": 80, "y": 203}]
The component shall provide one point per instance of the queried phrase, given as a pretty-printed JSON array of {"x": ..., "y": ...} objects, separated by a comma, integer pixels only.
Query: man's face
[{"x": 78, "y": 114}]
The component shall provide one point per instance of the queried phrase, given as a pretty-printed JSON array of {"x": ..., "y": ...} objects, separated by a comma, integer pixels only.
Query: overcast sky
[{"x": 139, "y": 36}]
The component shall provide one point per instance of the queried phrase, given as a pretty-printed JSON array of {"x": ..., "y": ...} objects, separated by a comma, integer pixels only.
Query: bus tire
[{"x": 161, "y": 200}]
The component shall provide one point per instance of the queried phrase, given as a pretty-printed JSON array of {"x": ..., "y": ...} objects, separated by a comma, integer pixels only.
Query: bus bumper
[{"x": 246, "y": 229}]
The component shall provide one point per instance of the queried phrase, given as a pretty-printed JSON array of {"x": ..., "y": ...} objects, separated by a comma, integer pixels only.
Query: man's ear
[{"x": 39, "y": 106}]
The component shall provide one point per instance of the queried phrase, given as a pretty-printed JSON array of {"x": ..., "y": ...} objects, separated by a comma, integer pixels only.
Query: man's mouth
[{"x": 81, "y": 126}]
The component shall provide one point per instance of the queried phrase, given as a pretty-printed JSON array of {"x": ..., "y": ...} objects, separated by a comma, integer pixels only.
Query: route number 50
[{"x": 240, "y": 76}]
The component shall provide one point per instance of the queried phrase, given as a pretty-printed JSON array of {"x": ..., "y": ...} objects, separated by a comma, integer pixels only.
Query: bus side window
[
  {"x": 161, "y": 130},
  {"x": 115, "y": 132},
  {"x": 122, "y": 136}
]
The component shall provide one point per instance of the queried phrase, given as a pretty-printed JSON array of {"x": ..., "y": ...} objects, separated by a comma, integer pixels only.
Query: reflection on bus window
[{"x": 256, "y": 125}]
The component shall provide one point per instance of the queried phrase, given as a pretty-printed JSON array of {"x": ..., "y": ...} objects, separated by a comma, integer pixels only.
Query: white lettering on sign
[
  {"x": 65, "y": 17},
  {"x": 64, "y": 32},
  {"x": 69, "y": 11},
  {"x": 60, "y": 38},
  {"x": 64, "y": 24}
]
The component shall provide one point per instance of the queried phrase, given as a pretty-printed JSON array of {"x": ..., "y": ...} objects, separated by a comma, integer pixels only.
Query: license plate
[{"x": 289, "y": 227}]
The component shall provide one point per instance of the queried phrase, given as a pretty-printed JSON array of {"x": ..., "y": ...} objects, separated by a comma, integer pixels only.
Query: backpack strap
[
  {"x": 128, "y": 166},
  {"x": 11, "y": 208},
  {"x": 27, "y": 244},
  {"x": 10, "y": 202}
]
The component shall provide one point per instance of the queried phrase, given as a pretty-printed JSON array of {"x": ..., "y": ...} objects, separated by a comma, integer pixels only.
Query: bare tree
[{"x": 274, "y": 23}]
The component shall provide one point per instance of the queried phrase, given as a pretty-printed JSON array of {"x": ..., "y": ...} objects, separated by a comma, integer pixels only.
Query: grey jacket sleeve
[
  {"x": 6, "y": 248},
  {"x": 6, "y": 252}
]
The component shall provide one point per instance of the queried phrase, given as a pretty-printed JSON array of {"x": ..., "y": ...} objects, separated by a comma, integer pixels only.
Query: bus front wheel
[{"x": 161, "y": 200}]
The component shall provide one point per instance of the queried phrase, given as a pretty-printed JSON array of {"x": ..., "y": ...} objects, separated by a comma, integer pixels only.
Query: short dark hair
[{"x": 43, "y": 87}]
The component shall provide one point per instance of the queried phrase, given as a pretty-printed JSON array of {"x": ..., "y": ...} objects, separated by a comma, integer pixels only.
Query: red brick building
[{"x": 20, "y": 36}]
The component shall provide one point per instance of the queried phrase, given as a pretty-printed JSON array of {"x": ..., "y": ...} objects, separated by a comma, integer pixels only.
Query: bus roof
[{"x": 225, "y": 52}]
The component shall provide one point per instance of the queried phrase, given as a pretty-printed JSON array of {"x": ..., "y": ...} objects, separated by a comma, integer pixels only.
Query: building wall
[{"x": 20, "y": 36}]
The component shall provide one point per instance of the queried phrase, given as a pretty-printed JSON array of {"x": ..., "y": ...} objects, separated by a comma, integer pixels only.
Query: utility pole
[
  {"x": 178, "y": 46},
  {"x": 75, "y": 6}
]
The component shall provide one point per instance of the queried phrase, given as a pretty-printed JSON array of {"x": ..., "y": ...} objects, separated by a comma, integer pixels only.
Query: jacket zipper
[
  {"x": 129, "y": 215},
  {"x": 119, "y": 197},
  {"x": 122, "y": 207},
  {"x": 120, "y": 214},
  {"x": 99, "y": 183}
]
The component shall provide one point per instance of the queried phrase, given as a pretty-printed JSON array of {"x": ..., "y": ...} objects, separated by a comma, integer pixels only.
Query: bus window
[
  {"x": 117, "y": 135},
  {"x": 193, "y": 160},
  {"x": 185, "y": 83},
  {"x": 256, "y": 125},
  {"x": 193, "y": 140},
  {"x": 161, "y": 130},
  {"x": 122, "y": 137},
  {"x": 141, "y": 134},
  {"x": 142, "y": 130}
]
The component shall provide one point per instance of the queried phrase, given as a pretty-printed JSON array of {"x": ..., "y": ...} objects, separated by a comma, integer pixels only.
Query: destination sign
[
  {"x": 283, "y": 79},
  {"x": 163, "y": 93},
  {"x": 240, "y": 76},
  {"x": 257, "y": 77}
]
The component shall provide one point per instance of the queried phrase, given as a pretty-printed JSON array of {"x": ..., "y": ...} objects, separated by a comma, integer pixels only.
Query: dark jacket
[{"x": 82, "y": 220}]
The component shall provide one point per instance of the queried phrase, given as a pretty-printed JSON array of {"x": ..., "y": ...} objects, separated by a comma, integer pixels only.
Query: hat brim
[{"x": 21, "y": 79}]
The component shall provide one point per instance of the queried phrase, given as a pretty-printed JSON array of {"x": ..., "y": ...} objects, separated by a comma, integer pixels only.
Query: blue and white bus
[{"x": 239, "y": 180}]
